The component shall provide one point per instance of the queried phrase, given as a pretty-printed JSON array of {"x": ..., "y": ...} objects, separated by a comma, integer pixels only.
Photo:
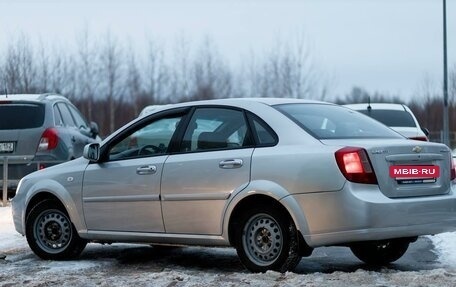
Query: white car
[
  {"x": 150, "y": 109},
  {"x": 398, "y": 117}
]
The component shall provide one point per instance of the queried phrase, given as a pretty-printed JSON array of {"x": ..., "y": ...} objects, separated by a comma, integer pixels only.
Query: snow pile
[
  {"x": 9, "y": 238},
  {"x": 445, "y": 245}
]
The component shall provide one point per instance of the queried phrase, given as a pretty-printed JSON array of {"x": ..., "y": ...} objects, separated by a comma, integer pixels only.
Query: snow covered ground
[{"x": 137, "y": 265}]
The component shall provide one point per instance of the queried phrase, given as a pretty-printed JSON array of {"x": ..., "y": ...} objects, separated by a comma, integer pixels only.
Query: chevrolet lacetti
[{"x": 273, "y": 178}]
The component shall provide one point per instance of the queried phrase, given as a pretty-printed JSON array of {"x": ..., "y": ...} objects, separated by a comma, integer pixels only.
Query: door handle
[
  {"x": 147, "y": 169},
  {"x": 231, "y": 163}
]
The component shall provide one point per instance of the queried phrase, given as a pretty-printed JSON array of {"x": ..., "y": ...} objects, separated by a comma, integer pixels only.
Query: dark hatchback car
[{"x": 37, "y": 131}]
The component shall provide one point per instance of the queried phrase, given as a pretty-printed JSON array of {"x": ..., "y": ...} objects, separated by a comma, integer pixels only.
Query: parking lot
[{"x": 428, "y": 262}]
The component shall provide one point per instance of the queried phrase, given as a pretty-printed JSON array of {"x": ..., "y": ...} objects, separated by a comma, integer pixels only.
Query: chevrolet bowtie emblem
[{"x": 417, "y": 149}]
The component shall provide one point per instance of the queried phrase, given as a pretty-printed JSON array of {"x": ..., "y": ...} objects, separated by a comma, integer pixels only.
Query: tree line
[{"x": 110, "y": 81}]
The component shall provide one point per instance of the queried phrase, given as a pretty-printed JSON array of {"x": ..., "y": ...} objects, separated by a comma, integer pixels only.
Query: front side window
[
  {"x": 150, "y": 140},
  {"x": 216, "y": 129},
  {"x": 335, "y": 122},
  {"x": 80, "y": 121}
]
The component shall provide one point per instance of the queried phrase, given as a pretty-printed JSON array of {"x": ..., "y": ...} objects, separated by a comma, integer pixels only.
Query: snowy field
[{"x": 138, "y": 265}]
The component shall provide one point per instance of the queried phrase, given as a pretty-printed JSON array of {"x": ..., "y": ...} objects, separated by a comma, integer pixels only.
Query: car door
[
  {"x": 83, "y": 133},
  {"x": 122, "y": 192},
  {"x": 76, "y": 141},
  {"x": 212, "y": 162}
]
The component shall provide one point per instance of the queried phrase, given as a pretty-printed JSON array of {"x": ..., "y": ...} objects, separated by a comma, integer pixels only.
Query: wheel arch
[
  {"x": 53, "y": 190},
  {"x": 269, "y": 193}
]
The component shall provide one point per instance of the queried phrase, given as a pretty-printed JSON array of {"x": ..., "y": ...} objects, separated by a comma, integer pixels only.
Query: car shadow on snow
[
  {"x": 324, "y": 260},
  {"x": 161, "y": 257}
]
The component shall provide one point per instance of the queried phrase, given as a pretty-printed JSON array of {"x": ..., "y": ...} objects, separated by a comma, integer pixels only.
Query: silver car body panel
[
  {"x": 193, "y": 202},
  {"x": 116, "y": 194},
  {"x": 196, "y": 197}
]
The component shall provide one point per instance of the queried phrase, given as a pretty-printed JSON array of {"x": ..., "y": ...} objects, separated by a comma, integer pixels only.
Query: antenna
[{"x": 369, "y": 108}]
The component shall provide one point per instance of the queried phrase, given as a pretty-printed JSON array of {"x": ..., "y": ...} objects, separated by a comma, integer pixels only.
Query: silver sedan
[{"x": 273, "y": 178}]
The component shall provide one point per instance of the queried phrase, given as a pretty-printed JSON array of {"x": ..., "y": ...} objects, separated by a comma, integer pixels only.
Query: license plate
[
  {"x": 416, "y": 181},
  {"x": 6, "y": 147},
  {"x": 414, "y": 171}
]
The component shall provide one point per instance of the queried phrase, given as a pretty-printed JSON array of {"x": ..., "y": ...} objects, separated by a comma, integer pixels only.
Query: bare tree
[
  {"x": 156, "y": 73},
  {"x": 133, "y": 81},
  {"x": 111, "y": 75},
  {"x": 88, "y": 68},
  {"x": 43, "y": 68},
  {"x": 180, "y": 86},
  {"x": 452, "y": 85},
  {"x": 27, "y": 67},
  {"x": 287, "y": 70},
  {"x": 12, "y": 73},
  {"x": 212, "y": 77}
]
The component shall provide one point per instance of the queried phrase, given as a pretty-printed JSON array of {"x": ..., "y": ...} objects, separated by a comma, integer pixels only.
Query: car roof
[
  {"x": 244, "y": 101},
  {"x": 377, "y": 106},
  {"x": 239, "y": 102},
  {"x": 31, "y": 97}
]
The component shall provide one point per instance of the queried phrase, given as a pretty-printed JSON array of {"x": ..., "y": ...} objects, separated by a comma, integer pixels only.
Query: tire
[
  {"x": 50, "y": 233},
  {"x": 266, "y": 239},
  {"x": 380, "y": 252}
]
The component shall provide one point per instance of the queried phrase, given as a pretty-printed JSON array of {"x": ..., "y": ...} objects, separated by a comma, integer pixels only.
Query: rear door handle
[
  {"x": 231, "y": 163},
  {"x": 147, "y": 169}
]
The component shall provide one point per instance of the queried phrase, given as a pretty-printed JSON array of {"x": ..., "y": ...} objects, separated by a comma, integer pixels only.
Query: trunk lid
[
  {"x": 384, "y": 153},
  {"x": 21, "y": 127},
  {"x": 24, "y": 142}
]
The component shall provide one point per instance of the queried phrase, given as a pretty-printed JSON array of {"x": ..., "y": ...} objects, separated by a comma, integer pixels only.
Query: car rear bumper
[{"x": 361, "y": 212}]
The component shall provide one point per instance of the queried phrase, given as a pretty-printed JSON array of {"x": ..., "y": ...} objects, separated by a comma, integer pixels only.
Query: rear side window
[
  {"x": 66, "y": 115},
  {"x": 335, "y": 122},
  {"x": 391, "y": 118},
  {"x": 216, "y": 129},
  {"x": 263, "y": 133},
  {"x": 18, "y": 116}
]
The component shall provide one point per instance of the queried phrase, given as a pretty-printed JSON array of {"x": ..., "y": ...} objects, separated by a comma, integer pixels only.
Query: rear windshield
[
  {"x": 21, "y": 116},
  {"x": 335, "y": 122},
  {"x": 391, "y": 118}
]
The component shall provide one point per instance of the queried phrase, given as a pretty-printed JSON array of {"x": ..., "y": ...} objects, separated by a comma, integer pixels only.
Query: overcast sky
[{"x": 389, "y": 46}]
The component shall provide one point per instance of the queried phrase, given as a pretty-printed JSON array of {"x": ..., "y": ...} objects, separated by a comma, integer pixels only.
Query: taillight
[
  {"x": 424, "y": 139},
  {"x": 355, "y": 165},
  {"x": 49, "y": 140}
]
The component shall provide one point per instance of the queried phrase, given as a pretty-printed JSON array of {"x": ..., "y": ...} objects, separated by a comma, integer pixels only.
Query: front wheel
[
  {"x": 380, "y": 252},
  {"x": 50, "y": 233},
  {"x": 267, "y": 240}
]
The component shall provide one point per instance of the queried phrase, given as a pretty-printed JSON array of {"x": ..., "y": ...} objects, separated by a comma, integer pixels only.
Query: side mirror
[
  {"x": 92, "y": 152},
  {"x": 425, "y": 131},
  {"x": 94, "y": 129}
]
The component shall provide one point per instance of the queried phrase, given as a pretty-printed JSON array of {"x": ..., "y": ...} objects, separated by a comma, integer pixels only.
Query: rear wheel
[
  {"x": 380, "y": 252},
  {"x": 267, "y": 240},
  {"x": 50, "y": 233}
]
